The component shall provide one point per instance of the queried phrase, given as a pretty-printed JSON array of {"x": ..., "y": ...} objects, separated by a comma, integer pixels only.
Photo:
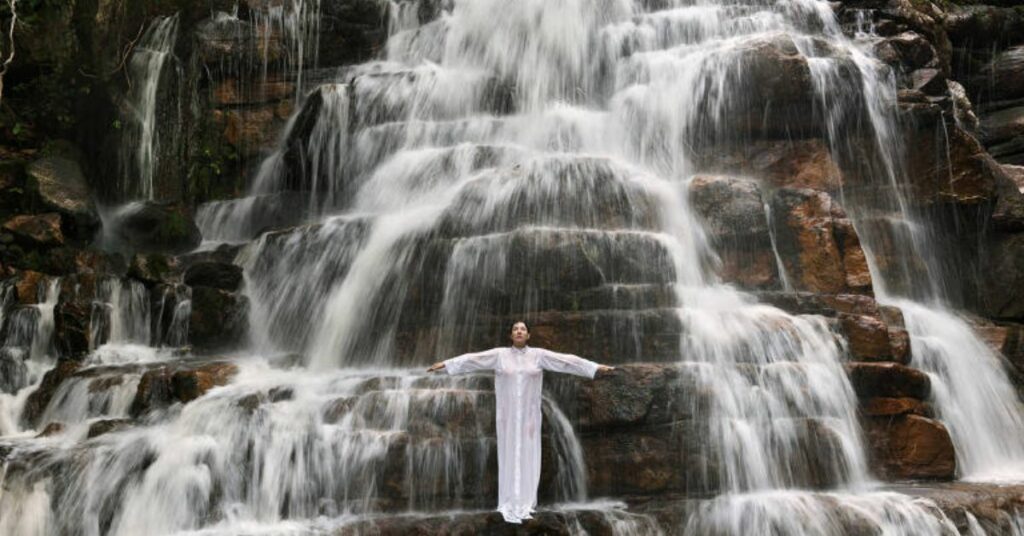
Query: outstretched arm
[
  {"x": 569, "y": 364},
  {"x": 464, "y": 363}
]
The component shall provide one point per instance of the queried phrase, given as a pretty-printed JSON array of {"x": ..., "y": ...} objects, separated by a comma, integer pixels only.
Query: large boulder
[
  {"x": 219, "y": 319},
  {"x": 909, "y": 447},
  {"x": 148, "y": 227},
  {"x": 62, "y": 188},
  {"x": 224, "y": 276}
]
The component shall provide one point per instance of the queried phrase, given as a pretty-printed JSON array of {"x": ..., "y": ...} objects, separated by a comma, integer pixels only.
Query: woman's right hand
[{"x": 436, "y": 366}]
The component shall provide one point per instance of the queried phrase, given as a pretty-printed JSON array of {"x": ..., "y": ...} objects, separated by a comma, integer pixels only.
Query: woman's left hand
[{"x": 604, "y": 368}]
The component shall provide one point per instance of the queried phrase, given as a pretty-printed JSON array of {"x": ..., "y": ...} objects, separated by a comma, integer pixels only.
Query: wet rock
[
  {"x": 1002, "y": 295},
  {"x": 107, "y": 426},
  {"x": 781, "y": 89},
  {"x": 230, "y": 92},
  {"x": 62, "y": 188},
  {"x": 868, "y": 337},
  {"x": 1003, "y": 77},
  {"x": 13, "y": 372},
  {"x": 73, "y": 315},
  {"x": 356, "y": 30},
  {"x": 547, "y": 523},
  {"x": 929, "y": 81},
  {"x": 188, "y": 385},
  {"x": 817, "y": 243},
  {"x": 734, "y": 215},
  {"x": 781, "y": 163},
  {"x": 52, "y": 429},
  {"x": 251, "y": 130},
  {"x": 218, "y": 275},
  {"x": 153, "y": 268},
  {"x": 27, "y": 286},
  {"x": 1008, "y": 214},
  {"x": 36, "y": 230},
  {"x": 890, "y": 407},
  {"x": 950, "y": 165},
  {"x": 149, "y": 227},
  {"x": 909, "y": 50},
  {"x": 984, "y": 26},
  {"x": 888, "y": 380},
  {"x": 167, "y": 384},
  {"x": 36, "y": 403},
  {"x": 910, "y": 447},
  {"x": 1002, "y": 125},
  {"x": 219, "y": 319},
  {"x": 154, "y": 392}
]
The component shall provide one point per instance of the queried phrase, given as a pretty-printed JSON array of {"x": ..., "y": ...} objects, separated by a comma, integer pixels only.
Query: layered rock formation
[{"x": 579, "y": 244}]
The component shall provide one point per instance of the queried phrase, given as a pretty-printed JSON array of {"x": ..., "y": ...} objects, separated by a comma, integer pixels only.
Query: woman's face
[{"x": 519, "y": 335}]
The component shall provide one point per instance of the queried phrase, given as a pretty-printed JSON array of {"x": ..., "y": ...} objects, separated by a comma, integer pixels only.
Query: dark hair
[{"x": 523, "y": 322}]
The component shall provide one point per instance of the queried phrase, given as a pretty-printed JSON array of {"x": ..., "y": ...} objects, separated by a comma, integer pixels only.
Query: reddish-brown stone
[
  {"x": 27, "y": 287},
  {"x": 888, "y": 380},
  {"x": 867, "y": 336},
  {"x": 37, "y": 229},
  {"x": 188, "y": 385},
  {"x": 910, "y": 447},
  {"x": 888, "y": 407}
]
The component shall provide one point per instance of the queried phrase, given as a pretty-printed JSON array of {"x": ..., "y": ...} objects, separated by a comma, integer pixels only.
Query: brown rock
[
  {"x": 734, "y": 215},
  {"x": 817, "y": 243},
  {"x": 910, "y": 447},
  {"x": 106, "y": 426},
  {"x": 888, "y": 407},
  {"x": 40, "y": 398},
  {"x": 1003, "y": 295},
  {"x": 867, "y": 336},
  {"x": 250, "y": 130},
  {"x": 1008, "y": 214},
  {"x": 956, "y": 168},
  {"x": 782, "y": 164},
  {"x": 27, "y": 287},
  {"x": 230, "y": 92},
  {"x": 62, "y": 188},
  {"x": 188, "y": 385},
  {"x": 889, "y": 380},
  {"x": 39, "y": 230}
]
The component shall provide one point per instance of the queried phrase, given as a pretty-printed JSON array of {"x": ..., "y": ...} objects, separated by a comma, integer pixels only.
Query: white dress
[{"x": 517, "y": 391}]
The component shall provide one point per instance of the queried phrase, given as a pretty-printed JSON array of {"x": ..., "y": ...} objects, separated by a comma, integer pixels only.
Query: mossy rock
[{"x": 147, "y": 227}]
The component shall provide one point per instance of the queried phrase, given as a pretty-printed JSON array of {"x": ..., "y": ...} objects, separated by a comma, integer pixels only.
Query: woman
[{"x": 517, "y": 390}]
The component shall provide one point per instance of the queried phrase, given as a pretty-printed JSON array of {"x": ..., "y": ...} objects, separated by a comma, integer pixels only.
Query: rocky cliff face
[{"x": 147, "y": 127}]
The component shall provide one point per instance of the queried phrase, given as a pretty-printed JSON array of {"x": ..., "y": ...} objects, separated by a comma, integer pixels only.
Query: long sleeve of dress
[
  {"x": 567, "y": 363},
  {"x": 472, "y": 362}
]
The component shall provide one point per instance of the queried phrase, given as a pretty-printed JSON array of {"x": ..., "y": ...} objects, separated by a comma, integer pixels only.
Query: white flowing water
[
  {"x": 503, "y": 158},
  {"x": 140, "y": 140},
  {"x": 971, "y": 389}
]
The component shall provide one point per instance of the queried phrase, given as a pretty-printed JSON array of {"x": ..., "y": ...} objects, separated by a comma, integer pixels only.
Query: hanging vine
[{"x": 7, "y": 52}]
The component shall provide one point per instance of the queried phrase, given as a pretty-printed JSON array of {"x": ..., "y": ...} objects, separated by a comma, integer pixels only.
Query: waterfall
[
  {"x": 971, "y": 389},
  {"x": 528, "y": 159},
  {"x": 140, "y": 152}
]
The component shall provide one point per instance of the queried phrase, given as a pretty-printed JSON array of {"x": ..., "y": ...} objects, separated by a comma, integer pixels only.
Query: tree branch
[{"x": 12, "y": 4}]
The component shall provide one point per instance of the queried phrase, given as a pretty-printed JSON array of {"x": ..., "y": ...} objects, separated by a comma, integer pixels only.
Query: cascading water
[
  {"x": 140, "y": 145},
  {"x": 505, "y": 159},
  {"x": 971, "y": 389}
]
